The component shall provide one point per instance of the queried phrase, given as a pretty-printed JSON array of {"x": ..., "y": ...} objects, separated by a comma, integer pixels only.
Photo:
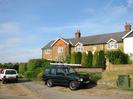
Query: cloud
[{"x": 9, "y": 27}]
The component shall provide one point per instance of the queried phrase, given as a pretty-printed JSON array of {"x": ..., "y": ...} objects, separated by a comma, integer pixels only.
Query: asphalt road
[{"x": 37, "y": 90}]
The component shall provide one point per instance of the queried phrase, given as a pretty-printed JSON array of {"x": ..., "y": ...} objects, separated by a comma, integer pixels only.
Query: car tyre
[
  {"x": 73, "y": 85},
  {"x": 49, "y": 83}
]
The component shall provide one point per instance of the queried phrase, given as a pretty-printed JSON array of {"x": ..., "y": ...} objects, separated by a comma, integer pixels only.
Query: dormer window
[
  {"x": 112, "y": 44},
  {"x": 79, "y": 47}
]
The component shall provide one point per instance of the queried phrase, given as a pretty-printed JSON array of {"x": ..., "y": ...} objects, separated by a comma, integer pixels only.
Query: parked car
[
  {"x": 64, "y": 75},
  {"x": 8, "y": 75}
]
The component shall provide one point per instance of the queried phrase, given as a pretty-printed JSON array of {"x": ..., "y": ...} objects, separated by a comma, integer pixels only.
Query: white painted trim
[
  {"x": 79, "y": 43},
  {"x": 127, "y": 34},
  {"x": 70, "y": 42},
  {"x": 59, "y": 39},
  {"x": 111, "y": 40}
]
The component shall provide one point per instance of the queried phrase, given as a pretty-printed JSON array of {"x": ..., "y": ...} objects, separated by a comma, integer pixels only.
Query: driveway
[{"x": 37, "y": 90}]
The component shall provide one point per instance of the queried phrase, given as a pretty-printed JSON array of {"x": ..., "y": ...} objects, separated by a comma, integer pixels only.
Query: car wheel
[
  {"x": 3, "y": 81},
  {"x": 73, "y": 85},
  {"x": 16, "y": 80},
  {"x": 49, "y": 83}
]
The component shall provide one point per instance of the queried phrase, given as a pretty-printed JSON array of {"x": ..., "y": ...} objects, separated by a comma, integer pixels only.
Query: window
[
  {"x": 10, "y": 72},
  {"x": 112, "y": 45},
  {"x": 47, "y": 71},
  {"x": 53, "y": 71},
  {"x": 60, "y": 49},
  {"x": 79, "y": 49},
  {"x": 47, "y": 51}
]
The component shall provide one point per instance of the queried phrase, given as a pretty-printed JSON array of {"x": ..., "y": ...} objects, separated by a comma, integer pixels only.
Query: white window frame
[
  {"x": 79, "y": 48},
  {"x": 60, "y": 50},
  {"x": 48, "y": 51},
  {"x": 112, "y": 45}
]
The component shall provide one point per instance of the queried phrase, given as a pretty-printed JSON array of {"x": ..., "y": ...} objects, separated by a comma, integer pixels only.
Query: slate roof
[{"x": 92, "y": 40}]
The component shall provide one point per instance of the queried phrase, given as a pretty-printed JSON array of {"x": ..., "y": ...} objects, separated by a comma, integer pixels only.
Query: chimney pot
[
  {"x": 78, "y": 34},
  {"x": 128, "y": 27}
]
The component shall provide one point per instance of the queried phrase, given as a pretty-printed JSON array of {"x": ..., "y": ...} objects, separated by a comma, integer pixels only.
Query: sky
[{"x": 28, "y": 25}]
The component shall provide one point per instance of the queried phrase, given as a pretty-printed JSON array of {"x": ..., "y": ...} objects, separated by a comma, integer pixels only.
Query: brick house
[{"x": 58, "y": 49}]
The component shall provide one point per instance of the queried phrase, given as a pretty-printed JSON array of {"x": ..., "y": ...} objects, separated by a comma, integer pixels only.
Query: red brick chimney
[
  {"x": 128, "y": 27},
  {"x": 78, "y": 34}
]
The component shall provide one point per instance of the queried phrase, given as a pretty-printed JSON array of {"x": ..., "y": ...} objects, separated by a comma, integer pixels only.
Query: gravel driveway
[{"x": 37, "y": 90}]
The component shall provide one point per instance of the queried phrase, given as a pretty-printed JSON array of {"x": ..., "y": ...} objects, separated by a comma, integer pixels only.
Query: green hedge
[
  {"x": 117, "y": 57},
  {"x": 84, "y": 59},
  {"x": 78, "y": 58},
  {"x": 89, "y": 59},
  {"x": 73, "y": 58}
]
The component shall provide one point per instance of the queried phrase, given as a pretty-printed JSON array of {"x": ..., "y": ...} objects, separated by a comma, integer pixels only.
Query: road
[{"x": 37, "y": 90}]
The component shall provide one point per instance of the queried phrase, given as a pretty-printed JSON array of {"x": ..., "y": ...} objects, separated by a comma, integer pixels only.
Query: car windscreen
[{"x": 10, "y": 72}]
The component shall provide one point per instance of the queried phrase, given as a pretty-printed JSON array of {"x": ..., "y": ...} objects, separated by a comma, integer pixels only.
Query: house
[{"x": 58, "y": 49}]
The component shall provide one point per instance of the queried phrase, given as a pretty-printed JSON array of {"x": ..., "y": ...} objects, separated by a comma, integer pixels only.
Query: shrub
[
  {"x": 33, "y": 64},
  {"x": 78, "y": 58},
  {"x": 117, "y": 57},
  {"x": 89, "y": 59},
  {"x": 101, "y": 59},
  {"x": 73, "y": 58},
  {"x": 95, "y": 59},
  {"x": 68, "y": 59},
  {"x": 22, "y": 68},
  {"x": 44, "y": 62},
  {"x": 29, "y": 74},
  {"x": 84, "y": 59}
]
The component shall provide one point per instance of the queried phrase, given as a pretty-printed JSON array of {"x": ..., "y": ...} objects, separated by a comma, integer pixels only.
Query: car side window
[
  {"x": 47, "y": 71},
  {"x": 60, "y": 72},
  {"x": 53, "y": 71}
]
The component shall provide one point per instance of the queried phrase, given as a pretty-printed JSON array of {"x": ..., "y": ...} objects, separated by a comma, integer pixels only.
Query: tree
[
  {"x": 102, "y": 60},
  {"x": 84, "y": 59},
  {"x": 73, "y": 58},
  {"x": 22, "y": 68},
  {"x": 68, "y": 59},
  {"x": 89, "y": 59},
  {"x": 95, "y": 59},
  {"x": 78, "y": 57}
]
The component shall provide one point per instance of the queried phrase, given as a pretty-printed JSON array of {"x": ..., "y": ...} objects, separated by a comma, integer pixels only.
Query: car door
[{"x": 61, "y": 77}]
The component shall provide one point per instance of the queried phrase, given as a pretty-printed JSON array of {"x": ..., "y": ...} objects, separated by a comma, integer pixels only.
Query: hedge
[
  {"x": 84, "y": 59},
  {"x": 78, "y": 58},
  {"x": 73, "y": 58},
  {"x": 89, "y": 59}
]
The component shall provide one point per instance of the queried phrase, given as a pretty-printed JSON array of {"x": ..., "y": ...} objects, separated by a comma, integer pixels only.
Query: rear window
[{"x": 10, "y": 72}]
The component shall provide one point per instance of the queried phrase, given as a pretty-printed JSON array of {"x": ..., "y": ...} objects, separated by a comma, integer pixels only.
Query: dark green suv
[{"x": 64, "y": 75}]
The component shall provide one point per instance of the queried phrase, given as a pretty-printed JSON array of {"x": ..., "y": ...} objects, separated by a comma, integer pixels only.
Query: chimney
[
  {"x": 78, "y": 34},
  {"x": 128, "y": 27}
]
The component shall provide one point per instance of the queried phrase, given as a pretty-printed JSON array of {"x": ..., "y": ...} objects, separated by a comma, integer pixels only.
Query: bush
[
  {"x": 33, "y": 64},
  {"x": 44, "y": 62},
  {"x": 117, "y": 57},
  {"x": 84, "y": 59},
  {"x": 22, "y": 68},
  {"x": 29, "y": 74},
  {"x": 89, "y": 59},
  {"x": 73, "y": 58},
  {"x": 78, "y": 58},
  {"x": 95, "y": 59},
  {"x": 101, "y": 59},
  {"x": 68, "y": 59}
]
